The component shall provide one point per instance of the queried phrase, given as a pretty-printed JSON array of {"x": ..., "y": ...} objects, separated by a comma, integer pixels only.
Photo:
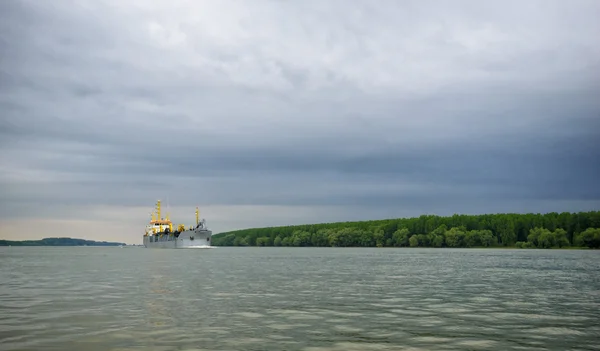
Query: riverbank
[{"x": 59, "y": 242}]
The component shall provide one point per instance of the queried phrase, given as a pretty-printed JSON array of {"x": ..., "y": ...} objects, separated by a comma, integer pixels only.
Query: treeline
[
  {"x": 550, "y": 230},
  {"x": 58, "y": 242}
]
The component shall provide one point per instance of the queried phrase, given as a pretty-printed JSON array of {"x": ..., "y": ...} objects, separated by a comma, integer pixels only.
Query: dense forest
[
  {"x": 58, "y": 242},
  {"x": 550, "y": 230}
]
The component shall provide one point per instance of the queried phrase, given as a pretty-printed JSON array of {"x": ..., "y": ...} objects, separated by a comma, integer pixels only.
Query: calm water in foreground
[{"x": 298, "y": 299}]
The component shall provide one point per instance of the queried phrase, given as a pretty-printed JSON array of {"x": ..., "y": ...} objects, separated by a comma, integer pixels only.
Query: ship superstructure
[{"x": 160, "y": 234}]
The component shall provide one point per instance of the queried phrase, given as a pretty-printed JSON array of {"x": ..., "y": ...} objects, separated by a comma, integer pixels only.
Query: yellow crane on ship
[{"x": 156, "y": 218}]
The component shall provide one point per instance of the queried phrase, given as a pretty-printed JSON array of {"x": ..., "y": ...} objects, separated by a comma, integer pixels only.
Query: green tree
[
  {"x": 506, "y": 231},
  {"x": 455, "y": 237},
  {"x": 588, "y": 238},
  {"x": 535, "y": 234},
  {"x": 379, "y": 237},
  {"x": 472, "y": 238},
  {"x": 400, "y": 237},
  {"x": 262, "y": 241},
  {"x": 545, "y": 240},
  {"x": 486, "y": 238},
  {"x": 438, "y": 241},
  {"x": 320, "y": 237},
  {"x": 560, "y": 238},
  {"x": 240, "y": 241},
  {"x": 414, "y": 242}
]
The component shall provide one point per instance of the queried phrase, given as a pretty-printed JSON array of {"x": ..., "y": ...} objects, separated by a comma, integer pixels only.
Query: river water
[{"x": 94, "y": 298}]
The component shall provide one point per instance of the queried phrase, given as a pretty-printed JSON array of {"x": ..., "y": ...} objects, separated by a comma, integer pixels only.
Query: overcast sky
[{"x": 288, "y": 112}]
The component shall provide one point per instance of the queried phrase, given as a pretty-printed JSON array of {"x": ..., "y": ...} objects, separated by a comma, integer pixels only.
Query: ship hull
[{"x": 188, "y": 239}]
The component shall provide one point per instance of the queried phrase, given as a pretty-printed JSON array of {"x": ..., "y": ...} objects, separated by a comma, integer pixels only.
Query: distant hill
[{"x": 58, "y": 242}]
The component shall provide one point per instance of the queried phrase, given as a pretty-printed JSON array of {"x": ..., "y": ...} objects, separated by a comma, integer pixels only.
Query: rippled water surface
[{"x": 298, "y": 299}]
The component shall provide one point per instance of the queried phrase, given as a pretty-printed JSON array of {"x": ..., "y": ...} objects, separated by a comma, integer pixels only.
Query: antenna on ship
[{"x": 197, "y": 216}]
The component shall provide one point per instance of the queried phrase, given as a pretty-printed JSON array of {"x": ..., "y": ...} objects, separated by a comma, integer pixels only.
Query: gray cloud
[{"x": 404, "y": 107}]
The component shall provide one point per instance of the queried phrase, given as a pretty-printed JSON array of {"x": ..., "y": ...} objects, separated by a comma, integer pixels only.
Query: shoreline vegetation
[
  {"x": 580, "y": 230},
  {"x": 58, "y": 242}
]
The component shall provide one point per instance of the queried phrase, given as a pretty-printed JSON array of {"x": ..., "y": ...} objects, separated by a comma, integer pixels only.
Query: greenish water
[{"x": 298, "y": 299}]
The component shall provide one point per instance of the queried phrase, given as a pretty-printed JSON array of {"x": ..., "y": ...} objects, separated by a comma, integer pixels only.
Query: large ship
[{"x": 160, "y": 234}]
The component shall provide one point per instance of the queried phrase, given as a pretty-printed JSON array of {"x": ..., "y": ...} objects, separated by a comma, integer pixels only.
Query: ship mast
[
  {"x": 197, "y": 216},
  {"x": 168, "y": 208},
  {"x": 158, "y": 214}
]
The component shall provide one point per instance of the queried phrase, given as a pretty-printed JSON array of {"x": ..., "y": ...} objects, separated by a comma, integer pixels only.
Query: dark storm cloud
[{"x": 413, "y": 104}]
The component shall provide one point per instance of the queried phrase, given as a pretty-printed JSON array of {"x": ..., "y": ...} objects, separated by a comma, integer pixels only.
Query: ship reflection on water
[{"x": 157, "y": 303}]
